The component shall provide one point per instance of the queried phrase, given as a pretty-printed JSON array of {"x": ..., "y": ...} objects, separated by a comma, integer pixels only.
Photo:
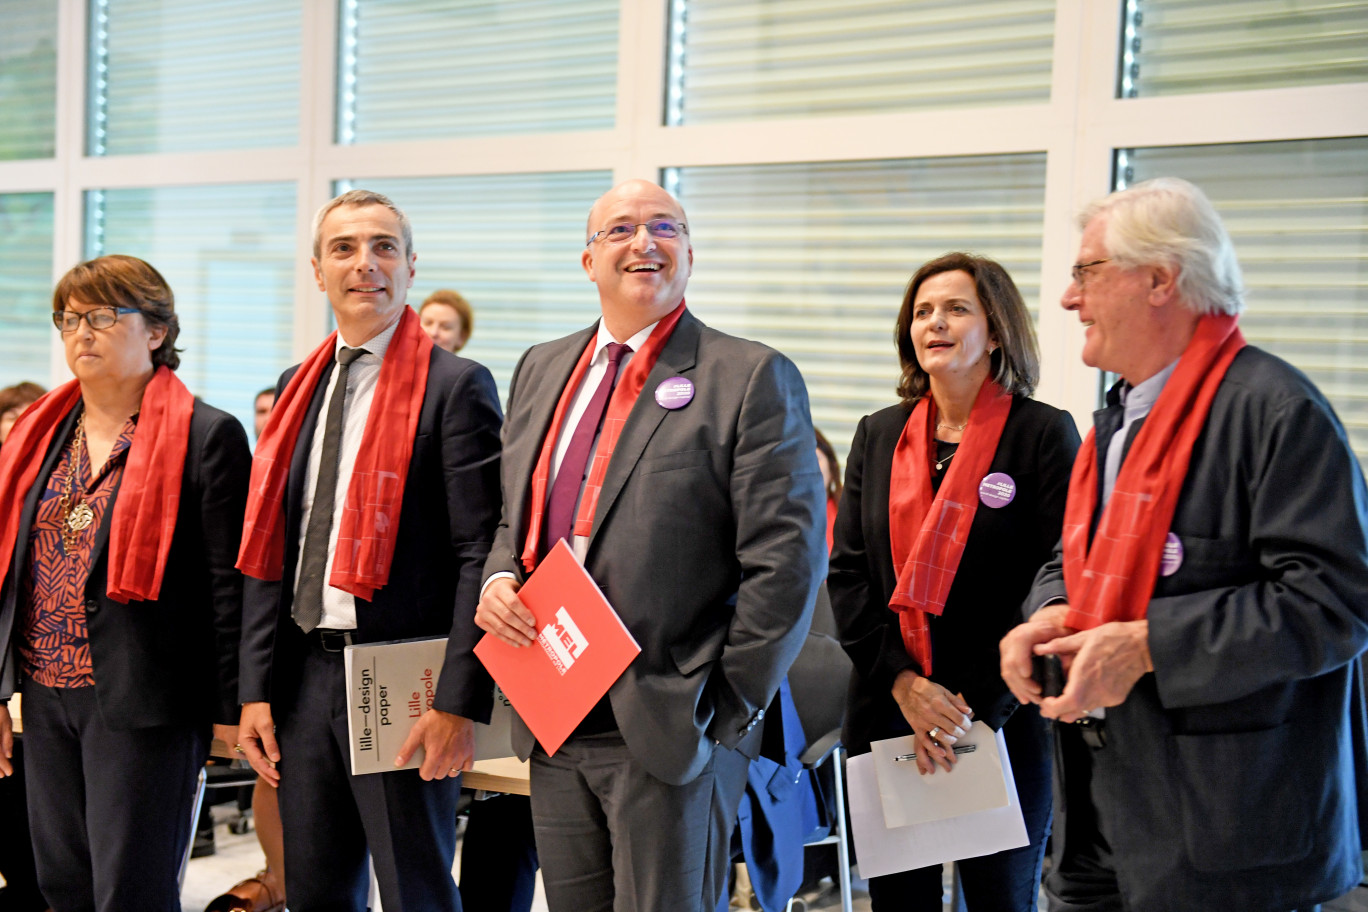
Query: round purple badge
[
  {"x": 674, "y": 393},
  {"x": 997, "y": 490},
  {"x": 1173, "y": 556}
]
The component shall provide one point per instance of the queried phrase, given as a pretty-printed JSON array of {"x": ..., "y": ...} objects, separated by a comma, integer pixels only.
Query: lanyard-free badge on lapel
[{"x": 674, "y": 393}]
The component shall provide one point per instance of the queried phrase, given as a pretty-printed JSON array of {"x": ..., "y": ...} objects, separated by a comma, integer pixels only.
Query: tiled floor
[{"x": 239, "y": 856}]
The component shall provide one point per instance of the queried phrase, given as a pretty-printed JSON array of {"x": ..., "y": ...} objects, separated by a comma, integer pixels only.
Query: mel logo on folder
[{"x": 582, "y": 647}]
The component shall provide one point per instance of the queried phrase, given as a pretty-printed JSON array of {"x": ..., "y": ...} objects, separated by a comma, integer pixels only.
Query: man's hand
[
  {"x": 1103, "y": 665},
  {"x": 256, "y": 734},
  {"x": 503, "y": 614},
  {"x": 447, "y": 740},
  {"x": 1019, "y": 645},
  {"x": 6, "y": 742},
  {"x": 928, "y": 706}
]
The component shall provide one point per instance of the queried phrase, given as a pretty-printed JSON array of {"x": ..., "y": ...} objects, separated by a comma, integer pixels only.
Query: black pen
[{"x": 959, "y": 749}]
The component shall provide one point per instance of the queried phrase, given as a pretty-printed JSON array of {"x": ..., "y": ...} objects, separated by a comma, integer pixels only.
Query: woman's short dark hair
[
  {"x": 833, "y": 488},
  {"x": 1015, "y": 363},
  {"x": 125, "y": 281},
  {"x": 20, "y": 395}
]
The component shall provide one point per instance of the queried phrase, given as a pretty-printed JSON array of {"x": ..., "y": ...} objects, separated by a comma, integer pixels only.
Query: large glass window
[
  {"x": 1298, "y": 214},
  {"x": 229, "y": 255},
  {"x": 511, "y": 245},
  {"x": 742, "y": 59},
  {"x": 26, "y": 274},
  {"x": 1174, "y": 46},
  {"x": 193, "y": 75},
  {"x": 437, "y": 68},
  {"x": 28, "y": 79},
  {"x": 813, "y": 259}
]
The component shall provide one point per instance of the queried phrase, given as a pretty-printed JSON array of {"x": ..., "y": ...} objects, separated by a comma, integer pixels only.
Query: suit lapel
[
  {"x": 678, "y": 357},
  {"x": 542, "y": 395}
]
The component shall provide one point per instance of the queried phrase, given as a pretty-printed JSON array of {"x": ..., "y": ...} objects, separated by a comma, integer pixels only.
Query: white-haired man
[{"x": 1209, "y": 595}]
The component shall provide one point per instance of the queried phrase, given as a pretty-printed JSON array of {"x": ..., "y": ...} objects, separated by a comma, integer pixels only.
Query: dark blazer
[
  {"x": 708, "y": 539},
  {"x": 446, "y": 521},
  {"x": 1005, "y": 549},
  {"x": 173, "y": 661},
  {"x": 1228, "y": 780}
]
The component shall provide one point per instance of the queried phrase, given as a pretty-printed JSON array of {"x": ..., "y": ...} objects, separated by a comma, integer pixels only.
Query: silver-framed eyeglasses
[
  {"x": 1078, "y": 273},
  {"x": 102, "y": 317},
  {"x": 664, "y": 228}
]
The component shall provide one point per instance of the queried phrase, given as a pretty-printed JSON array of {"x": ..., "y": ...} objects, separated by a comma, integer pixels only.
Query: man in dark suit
[
  {"x": 702, "y": 525},
  {"x": 1210, "y": 594},
  {"x": 410, "y": 411}
]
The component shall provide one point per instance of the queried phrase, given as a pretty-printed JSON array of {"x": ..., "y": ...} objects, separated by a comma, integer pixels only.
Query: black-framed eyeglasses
[
  {"x": 101, "y": 317},
  {"x": 1079, "y": 276},
  {"x": 625, "y": 231}
]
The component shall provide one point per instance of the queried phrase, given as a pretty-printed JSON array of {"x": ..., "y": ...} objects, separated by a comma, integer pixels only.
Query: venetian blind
[
  {"x": 28, "y": 79},
  {"x": 26, "y": 274}
]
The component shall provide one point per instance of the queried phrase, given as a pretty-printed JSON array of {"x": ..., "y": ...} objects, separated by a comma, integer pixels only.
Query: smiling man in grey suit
[{"x": 700, "y": 517}]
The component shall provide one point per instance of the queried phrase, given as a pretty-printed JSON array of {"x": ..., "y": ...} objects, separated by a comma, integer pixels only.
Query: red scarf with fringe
[
  {"x": 366, "y": 534},
  {"x": 927, "y": 532},
  {"x": 1114, "y": 579},
  {"x": 143, "y": 521}
]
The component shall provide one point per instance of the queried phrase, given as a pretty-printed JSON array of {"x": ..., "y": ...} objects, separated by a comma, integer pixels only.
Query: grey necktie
[{"x": 308, "y": 603}]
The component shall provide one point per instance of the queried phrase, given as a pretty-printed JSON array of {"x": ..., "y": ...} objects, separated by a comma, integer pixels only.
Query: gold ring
[
  {"x": 454, "y": 771},
  {"x": 239, "y": 749},
  {"x": 933, "y": 732}
]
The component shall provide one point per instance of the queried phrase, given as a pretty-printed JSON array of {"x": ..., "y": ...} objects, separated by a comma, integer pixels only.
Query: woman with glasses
[
  {"x": 953, "y": 499},
  {"x": 121, "y": 503}
]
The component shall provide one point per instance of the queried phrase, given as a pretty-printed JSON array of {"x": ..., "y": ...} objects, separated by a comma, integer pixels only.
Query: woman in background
[
  {"x": 121, "y": 503},
  {"x": 966, "y": 447},
  {"x": 446, "y": 316}
]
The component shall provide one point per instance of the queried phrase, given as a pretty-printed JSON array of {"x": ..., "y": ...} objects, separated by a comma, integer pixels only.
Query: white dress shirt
[{"x": 339, "y": 608}]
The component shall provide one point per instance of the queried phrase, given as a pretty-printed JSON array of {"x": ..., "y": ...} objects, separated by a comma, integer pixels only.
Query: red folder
[{"x": 582, "y": 647}]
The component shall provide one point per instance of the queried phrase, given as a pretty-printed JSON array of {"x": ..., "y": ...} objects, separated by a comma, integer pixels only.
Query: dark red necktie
[{"x": 564, "y": 497}]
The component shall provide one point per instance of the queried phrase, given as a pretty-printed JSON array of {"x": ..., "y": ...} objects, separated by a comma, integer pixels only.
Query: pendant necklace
[
  {"x": 940, "y": 463},
  {"x": 75, "y": 518}
]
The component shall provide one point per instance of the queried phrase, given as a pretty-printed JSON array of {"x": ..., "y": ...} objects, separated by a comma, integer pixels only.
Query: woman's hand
[{"x": 929, "y": 708}]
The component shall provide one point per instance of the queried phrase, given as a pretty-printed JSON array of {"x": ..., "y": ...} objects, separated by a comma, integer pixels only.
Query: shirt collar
[
  {"x": 604, "y": 338},
  {"x": 375, "y": 345},
  {"x": 1142, "y": 396}
]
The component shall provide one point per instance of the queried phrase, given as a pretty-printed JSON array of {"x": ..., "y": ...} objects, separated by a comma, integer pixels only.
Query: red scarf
[
  {"x": 927, "y": 533},
  {"x": 366, "y": 535},
  {"x": 1113, "y": 580},
  {"x": 145, "y": 509},
  {"x": 625, "y": 395}
]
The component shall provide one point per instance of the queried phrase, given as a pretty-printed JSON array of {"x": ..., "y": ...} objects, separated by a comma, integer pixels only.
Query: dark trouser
[
  {"x": 332, "y": 818},
  {"x": 109, "y": 810},
  {"x": 1084, "y": 876},
  {"x": 613, "y": 837},
  {"x": 1006, "y": 881},
  {"x": 21, "y": 892},
  {"x": 499, "y": 856}
]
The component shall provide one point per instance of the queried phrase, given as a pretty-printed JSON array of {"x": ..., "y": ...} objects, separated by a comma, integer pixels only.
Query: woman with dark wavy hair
[
  {"x": 121, "y": 503},
  {"x": 953, "y": 499}
]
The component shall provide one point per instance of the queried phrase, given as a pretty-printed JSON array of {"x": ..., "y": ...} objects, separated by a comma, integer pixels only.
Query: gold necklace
[{"x": 75, "y": 518}]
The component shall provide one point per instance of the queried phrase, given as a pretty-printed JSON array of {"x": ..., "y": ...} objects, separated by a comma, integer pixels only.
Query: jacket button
[{"x": 92, "y": 606}]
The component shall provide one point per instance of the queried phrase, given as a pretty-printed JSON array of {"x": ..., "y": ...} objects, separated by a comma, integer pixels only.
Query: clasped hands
[
  {"x": 928, "y": 707},
  {"x": 1101, "y": 665}
]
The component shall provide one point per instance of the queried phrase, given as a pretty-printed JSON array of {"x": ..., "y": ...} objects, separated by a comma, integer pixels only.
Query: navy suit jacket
[
  {"x": 172, "y": 661},
  {"x": 446, "y": 520},
  {"x": 1232, "y": 776}
]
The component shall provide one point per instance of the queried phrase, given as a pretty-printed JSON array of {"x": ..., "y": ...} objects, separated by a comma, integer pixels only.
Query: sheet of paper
[
  {"x": 882, "y": 850},
  {"x": 975, "y": 784}
]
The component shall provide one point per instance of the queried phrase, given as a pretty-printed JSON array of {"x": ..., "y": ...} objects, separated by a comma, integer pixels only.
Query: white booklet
[
  {"x": 886, "y": 850},
  {"x": 389, "y": 686},
  {"x": 975, "y": 784}
]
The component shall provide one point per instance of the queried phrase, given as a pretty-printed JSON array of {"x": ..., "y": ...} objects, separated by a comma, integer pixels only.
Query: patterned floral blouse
[{"x": 53, "y": 643}]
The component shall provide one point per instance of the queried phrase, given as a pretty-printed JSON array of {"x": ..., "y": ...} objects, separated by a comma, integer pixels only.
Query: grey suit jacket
[
  {"x": 708, "y": 539},
  {"x": 1232, "y": 777}
]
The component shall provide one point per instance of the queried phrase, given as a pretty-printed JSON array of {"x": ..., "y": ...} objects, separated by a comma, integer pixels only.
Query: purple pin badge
[
  {"x": 674, "y": 393},
  {"x": 997, "y": 490},
  {"x": 1173, "y": 556}
]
